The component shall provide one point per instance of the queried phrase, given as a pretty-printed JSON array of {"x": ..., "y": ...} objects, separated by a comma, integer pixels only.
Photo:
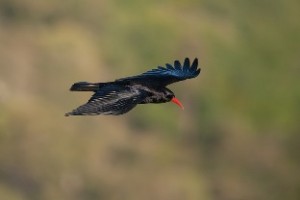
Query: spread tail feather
[{"x": 85, "y": 86}]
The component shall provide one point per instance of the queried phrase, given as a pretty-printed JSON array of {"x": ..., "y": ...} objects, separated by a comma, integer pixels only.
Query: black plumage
[{"x": 122, "y": 95}]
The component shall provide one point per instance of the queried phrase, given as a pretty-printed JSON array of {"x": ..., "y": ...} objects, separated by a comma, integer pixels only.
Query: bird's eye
[{"x": 170, "y": 96}]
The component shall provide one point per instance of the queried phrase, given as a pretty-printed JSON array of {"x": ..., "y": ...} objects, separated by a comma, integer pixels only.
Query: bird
[{"x": 122, "y": 95}]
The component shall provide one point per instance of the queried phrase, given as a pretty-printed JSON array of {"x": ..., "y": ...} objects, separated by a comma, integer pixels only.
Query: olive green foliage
[{"x": 238, "y": 137}]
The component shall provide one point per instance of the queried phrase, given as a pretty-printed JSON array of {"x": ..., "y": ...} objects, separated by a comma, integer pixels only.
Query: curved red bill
[{"x": 176, "y": 101}]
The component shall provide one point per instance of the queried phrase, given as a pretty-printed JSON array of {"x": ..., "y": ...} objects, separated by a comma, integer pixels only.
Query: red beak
[{"x": 176, "y": 101}]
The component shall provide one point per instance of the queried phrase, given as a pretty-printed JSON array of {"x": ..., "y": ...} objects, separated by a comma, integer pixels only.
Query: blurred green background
[{"x": 237, "y": 139}]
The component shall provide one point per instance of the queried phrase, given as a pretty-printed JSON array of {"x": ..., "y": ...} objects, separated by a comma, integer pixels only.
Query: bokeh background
[{"x": 237, "y": 139}]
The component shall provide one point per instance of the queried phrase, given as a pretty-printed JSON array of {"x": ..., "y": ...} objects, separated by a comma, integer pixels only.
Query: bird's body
[{"x": 122, "y": 95}]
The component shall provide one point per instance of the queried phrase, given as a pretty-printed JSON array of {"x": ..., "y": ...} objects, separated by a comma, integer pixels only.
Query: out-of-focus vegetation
[{"x": 238, "y": 137}]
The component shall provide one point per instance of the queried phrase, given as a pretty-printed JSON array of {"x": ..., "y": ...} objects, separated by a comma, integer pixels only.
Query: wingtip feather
[
  {"x": 194, "y": 65},
  {"x": 177, "y": 65},
  {"x": 169, "y": 66},
  {"x": 198, "y": 71},
  {"x": 186, "y": 64}
]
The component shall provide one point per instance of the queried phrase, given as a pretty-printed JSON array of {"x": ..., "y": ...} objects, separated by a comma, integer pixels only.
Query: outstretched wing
[
  {"x": 163, "y": 76},
  {"x": 110, "y": 100}
]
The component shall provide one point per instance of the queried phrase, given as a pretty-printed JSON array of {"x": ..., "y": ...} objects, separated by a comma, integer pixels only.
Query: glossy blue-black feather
[
  {"x": 164, "y": 76},
  {"x": 110, "y": 100}
]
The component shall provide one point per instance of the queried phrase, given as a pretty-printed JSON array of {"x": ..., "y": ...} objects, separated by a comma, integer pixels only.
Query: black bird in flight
[{"x": 122, "y": 95}]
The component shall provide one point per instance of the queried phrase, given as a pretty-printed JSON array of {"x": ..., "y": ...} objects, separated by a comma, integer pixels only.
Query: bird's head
[{"x": 169, "y": 96}]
